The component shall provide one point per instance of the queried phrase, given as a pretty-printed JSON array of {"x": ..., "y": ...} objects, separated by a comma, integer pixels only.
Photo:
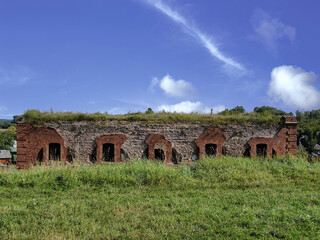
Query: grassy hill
[{"x": 223, "y": 198}]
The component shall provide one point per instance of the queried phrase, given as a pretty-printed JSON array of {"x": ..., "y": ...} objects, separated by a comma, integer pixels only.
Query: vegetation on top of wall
[{"x": 236, "y": 115}]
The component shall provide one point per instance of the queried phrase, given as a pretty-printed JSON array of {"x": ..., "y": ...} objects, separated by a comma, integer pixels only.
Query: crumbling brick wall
[
  {"x": 80, "y": 140},
  {"x": 30, "y": 141},
  {"x": 157, "y": 141},
  {"x": 284, "y": 143}
]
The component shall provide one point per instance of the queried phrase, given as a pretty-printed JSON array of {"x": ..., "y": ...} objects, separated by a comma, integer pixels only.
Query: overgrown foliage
[
  {"x": 37, "y": 117},
  {"x": 222, "y": 198},
  {"x": 309, "y": 128},
  {"x": 4, "y": 124},
  {"x": 6, "y": 139}
]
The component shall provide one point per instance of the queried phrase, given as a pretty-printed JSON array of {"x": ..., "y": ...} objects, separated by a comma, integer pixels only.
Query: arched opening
[
  {"x": 159, "y": 155},
  {"x": 69, "y": 155},
  {"x": 247, "y": 151},
  {"x": 274, "y": 153},
  {"x": 196, "y": 153},
  {"x": 54, "y": 151},
  {"x": 93, "y": 155},
  {"x": 145, "y": 154},
  {"x": 262, "y": 150},
  {"x": 108, "y": 152},
  {"x": 176, "y": 157},
  {"x": 40, "y": 156},
  {"x": 211, "y": 150}
]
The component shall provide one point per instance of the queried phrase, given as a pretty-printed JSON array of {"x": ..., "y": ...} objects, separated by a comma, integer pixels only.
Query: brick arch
[
  {"x": 212, "y": 135},
  {"x": 39, "y": 139},
  {"x": 116, "y": 139},
  {"x": 278, "y": 144},
  {"x": 284, "y": 143},
  {"x": 158, "y": 141}
]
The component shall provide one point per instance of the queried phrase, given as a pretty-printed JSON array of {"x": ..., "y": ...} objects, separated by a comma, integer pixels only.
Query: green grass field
[{"x": 223, "y": 198}]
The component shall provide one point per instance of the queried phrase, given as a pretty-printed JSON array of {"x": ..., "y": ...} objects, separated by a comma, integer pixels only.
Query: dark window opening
[
  {"x": 108, "y": 152},
  {"x": 262, "y": 150},
  {"x": 54, "y": 152},
  {"x": 145, "y": 154},
  {"x": 247, "y": 151},
  {"x": 40, "y": 156},
  {"x": 211, "y": 150},
  {"x": 176, "y": 157},
  {"x": 69, "y": 155},
  {"x": 159, "y": 154},
  {"x": 274, "y": 153},
  {"x": 93, "y": 155},
  {"x": 196, "y": 154}
]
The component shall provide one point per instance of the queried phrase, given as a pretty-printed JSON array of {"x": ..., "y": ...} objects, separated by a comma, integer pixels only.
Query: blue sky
[{"x": 118, "y": 56}]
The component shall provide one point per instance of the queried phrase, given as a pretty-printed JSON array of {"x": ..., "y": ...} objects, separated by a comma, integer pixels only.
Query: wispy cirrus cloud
[
  {"x": 269, "y": 30},
  {"x": 174, "y": 88},
  {"x": 205, "y": 40}
]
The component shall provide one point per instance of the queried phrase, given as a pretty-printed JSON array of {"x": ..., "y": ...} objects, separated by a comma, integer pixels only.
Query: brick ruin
[{"x": 171, "y": 143}]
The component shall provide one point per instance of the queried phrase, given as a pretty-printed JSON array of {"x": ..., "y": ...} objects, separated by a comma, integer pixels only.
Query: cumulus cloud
[
  {"x": 175, "y": 88},
  {"x": 294, "y": 87},
  {"x": 270, "y": 30},
  {"x": 202, "y": 38},
  {"x": 189, "y": 107}
]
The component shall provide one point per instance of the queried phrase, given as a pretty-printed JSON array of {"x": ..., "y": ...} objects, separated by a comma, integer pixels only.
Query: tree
[
  {"x": 6, "y": 139},
  {"x": 149, "y": 111}
]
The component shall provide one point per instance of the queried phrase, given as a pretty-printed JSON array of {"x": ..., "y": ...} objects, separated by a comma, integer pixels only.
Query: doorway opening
[
  {"x": 211, "y": 150},
  {"x": 262, "y": 150},
  {"x": 159, "y": 155},
  {"x": 54, "y": 151},
  {"x": 108, "y": 152}
]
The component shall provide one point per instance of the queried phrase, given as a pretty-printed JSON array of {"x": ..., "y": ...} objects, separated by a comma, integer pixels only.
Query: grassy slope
[{"x": 223, "y": 198}]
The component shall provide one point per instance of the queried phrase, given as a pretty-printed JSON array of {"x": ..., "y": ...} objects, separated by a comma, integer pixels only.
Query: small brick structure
[
  {"x": 33, "y": 140},
  {"x": 114, "y": 141},
  {"x": 284, "y": 143},
  {"x": 5, "y": 157},
  {"x": 157, "y": 142},
  {"x": 212, "y": 136}
]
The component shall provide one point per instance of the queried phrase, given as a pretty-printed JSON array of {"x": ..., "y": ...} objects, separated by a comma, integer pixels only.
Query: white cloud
[
  {"x": 189, "y": 107},
  {"x": 270, "y": 30},
  {"x": 205, "y": 41},
  {"x": 294, "y": 87},
  {"x": 175, "y": 88}
]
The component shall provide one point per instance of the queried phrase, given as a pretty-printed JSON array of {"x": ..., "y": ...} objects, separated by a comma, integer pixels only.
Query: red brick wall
[
  {"x": 30, "y": 140},
  {"x": 284, "y": 143},
  {"x": 116, "y": 139},
  {"x": 212, "y": 135},
  {"x": 160, "y": 141}
]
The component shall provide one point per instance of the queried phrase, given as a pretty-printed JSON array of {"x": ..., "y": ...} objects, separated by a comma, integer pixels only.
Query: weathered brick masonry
[{"x": 115, "y": 141}]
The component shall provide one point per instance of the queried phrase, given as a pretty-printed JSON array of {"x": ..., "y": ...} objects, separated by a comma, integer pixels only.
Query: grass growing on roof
[
  {"x": 37, "y": 117},
  {"x": 223, "y": 198}
]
